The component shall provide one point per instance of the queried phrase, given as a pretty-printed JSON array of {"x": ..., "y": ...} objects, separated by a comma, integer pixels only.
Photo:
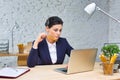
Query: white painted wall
[{"x": 114, "y": 28}]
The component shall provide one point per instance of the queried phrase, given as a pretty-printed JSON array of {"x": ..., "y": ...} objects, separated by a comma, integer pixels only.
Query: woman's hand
[{"x": 40, "y": 37}]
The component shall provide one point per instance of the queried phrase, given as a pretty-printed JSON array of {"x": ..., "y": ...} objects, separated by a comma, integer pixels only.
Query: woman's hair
[{"x": 54, "y": 20}]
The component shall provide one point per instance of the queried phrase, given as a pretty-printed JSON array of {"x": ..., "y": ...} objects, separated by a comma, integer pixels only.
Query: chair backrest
[{"x": 22, "y": 58}]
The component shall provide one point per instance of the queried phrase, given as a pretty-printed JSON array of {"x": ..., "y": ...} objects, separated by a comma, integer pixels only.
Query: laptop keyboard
[{"x": 64, "y": 70}]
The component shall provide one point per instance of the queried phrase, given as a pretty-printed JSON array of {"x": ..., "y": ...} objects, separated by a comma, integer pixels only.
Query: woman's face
[{"x": 54, "y": 32}]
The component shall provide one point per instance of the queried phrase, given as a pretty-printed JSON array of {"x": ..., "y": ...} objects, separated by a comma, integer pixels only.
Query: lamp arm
[
  {"x": 15, "y": 26},
  {"x": 107, "y": 14},
  {"x": 12, "y": 40}
]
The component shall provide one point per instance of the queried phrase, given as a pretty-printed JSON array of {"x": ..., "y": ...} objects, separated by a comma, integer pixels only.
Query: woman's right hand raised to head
[{"x": 40, "y": 37}]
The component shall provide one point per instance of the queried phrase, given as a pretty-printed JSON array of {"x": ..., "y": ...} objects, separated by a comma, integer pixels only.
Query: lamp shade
[{"x": 90, "y": 8}]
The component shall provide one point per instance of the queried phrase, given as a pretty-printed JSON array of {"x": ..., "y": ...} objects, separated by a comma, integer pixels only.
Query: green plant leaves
[{"x": 110, "y": 49}]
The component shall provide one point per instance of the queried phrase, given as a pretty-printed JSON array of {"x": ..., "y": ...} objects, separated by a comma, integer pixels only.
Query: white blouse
[{"x": 52, "y": 50}]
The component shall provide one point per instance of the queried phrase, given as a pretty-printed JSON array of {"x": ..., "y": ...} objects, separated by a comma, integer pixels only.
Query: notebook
[
  {"x": 9, "y": 72},
  {"x": 81, "y": 60}
]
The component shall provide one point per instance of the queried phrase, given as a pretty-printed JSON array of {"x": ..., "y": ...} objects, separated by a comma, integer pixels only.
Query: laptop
[{"x": 81, "y": 60}]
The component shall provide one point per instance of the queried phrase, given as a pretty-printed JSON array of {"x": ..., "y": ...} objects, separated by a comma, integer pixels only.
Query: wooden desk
[
  {"x": 22, "y": 58},
  {"x": 47, "y": 73}
]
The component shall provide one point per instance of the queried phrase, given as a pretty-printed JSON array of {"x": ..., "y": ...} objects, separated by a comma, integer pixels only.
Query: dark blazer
[{"x": 41, "y": 56}]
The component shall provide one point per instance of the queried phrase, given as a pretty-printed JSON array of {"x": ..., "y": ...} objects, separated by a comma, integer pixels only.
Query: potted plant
[
  {"x": 110, "y": 51},
  {"x": 108, "y": 57}
]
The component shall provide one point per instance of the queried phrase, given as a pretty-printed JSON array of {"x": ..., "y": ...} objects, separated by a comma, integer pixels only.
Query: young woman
[{"x": 49, "y": 48}]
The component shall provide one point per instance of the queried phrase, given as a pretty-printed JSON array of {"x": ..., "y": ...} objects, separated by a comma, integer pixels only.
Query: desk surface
[{"x": 47, "y": 73}]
